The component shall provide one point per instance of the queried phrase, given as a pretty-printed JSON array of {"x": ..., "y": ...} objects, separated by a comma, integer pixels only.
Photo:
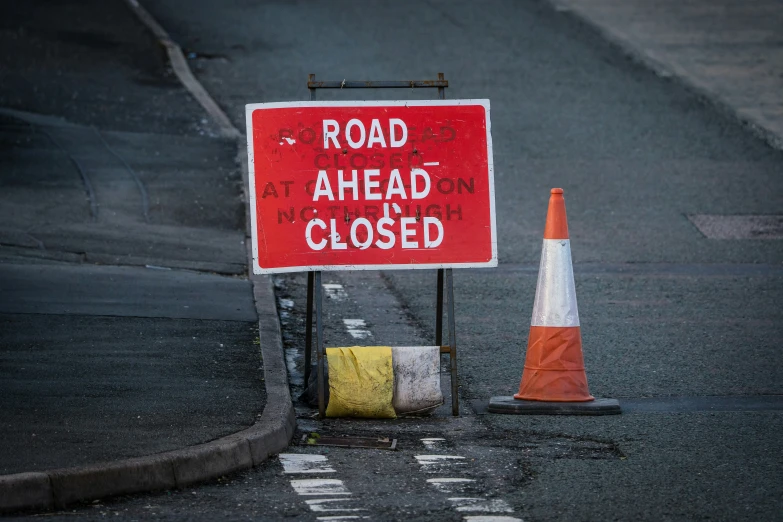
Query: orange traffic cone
[{"x": 553, "y": 379}]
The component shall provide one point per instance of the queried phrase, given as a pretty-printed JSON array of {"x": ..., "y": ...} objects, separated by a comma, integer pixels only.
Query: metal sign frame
[{"x": 314, "y": 288}]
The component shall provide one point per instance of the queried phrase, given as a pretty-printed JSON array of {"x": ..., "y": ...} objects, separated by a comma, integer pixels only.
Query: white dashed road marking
[
  {"x": 433, "y": 442},
  {"x": 491, "y": 518},
  {"x": 304, "y": 463},
  {"x": 325, "y": 487},
  {"x": 330, "y": 504},
  {"x": 357, "y": 328},
  {"x": 435, "y": 463},
  {"x": 344, "y": 517},
  {"x": 334, "y": 291},
  {"x": 439, "y": 463},
  {"x": 467, "y": 504},
  {"x": 447, "y": 485},
  {"x": 428, "y": 460}
]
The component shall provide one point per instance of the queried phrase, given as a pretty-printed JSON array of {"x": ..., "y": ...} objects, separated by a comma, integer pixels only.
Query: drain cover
[{"x": 314, "y": 439}]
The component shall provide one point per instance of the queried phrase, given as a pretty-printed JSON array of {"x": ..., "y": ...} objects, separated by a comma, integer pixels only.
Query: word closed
[{"x": 371, "y": 185}]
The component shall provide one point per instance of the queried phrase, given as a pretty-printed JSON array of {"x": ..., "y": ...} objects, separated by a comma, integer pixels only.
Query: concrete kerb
[
  {"x": 181, "y": 68},
  {"x": 25, "y": 491},
  {"x": 179, "y": 468}
]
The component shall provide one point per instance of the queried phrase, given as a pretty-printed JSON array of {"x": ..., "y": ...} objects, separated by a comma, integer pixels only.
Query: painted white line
[
  {"x": 304, "y": 463},
  {"x": 323, "y": 505},
  {"x": 309, "y": 463},
  {"x": 447, "y": 485},
  {"x": 491, "y": 518},
  {"x": 435, "y": 459},
  {"x": 342, "y": 517},
  {"x": 183, "y": 72},
  {"x": 357, "y": 328},
  {"x": 467, "y": 504},
  {"x": 324, "y": 487},
  {"x": 433, "y": 442},
  {"x": 437, "y": 463},
  {"x": 431, "y": 163},
  {"x": 334, "y": 291}
]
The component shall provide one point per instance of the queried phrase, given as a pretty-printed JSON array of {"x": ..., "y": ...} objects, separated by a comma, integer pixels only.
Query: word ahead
[{"x": 371, "y": 185}]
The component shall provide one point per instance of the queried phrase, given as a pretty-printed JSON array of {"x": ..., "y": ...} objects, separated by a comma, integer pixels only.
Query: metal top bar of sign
[{"x": 356, "y": 84}]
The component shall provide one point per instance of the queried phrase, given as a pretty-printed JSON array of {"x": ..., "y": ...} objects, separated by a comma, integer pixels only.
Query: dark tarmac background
[
  {"x": 125, "y": 326},
  {"x": 667, "y": 313}
]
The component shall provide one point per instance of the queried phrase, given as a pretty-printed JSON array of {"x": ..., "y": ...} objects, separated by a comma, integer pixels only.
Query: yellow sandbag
[{"x": 361, "y": 382}]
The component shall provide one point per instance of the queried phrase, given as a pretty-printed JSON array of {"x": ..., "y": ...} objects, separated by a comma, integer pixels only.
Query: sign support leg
[
  {"x": 439, "y": 311},
  {"x": 452, "y": 343},
  {"x": 309, "y": 329},
  {"x": 314, "y": 280},
  {"x": 452, "y": 321},
  {"x": 319, "y": 346}
]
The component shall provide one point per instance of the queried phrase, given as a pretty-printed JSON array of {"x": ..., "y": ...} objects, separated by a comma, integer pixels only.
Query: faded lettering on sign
[{"x": 391, "y": 185}]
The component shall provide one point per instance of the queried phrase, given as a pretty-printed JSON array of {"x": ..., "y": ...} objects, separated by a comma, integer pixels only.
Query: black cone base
[{"x": 510, "y": 405}]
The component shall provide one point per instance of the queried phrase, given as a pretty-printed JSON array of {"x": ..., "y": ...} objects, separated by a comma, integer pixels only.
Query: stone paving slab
[{"x": 729, "y": 50}]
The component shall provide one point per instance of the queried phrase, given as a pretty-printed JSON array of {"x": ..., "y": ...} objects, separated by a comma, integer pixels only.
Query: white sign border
[{"x": 257, "y": 269}]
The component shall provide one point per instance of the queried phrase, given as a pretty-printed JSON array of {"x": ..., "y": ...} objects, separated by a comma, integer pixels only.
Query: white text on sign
[
  {"x": 332, "y": 130},
  {"x": 409, "y": 228}
]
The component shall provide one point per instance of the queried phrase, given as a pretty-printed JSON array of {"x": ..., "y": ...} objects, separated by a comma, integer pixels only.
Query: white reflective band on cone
[{"x": 555, "y": 303}]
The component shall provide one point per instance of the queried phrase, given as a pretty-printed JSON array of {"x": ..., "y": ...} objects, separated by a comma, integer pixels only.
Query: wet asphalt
[{"x": 666, "y": 312}]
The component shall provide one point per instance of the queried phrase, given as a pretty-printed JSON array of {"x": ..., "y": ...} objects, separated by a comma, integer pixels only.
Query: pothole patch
[{"x": 716, "y": 226}]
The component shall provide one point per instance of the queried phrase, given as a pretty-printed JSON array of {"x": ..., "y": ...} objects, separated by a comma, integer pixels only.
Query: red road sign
[{"x": 371, "y": 185}]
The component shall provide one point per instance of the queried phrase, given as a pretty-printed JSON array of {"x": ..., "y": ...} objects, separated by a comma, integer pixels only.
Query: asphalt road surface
[{"x": 683, "y": 328}]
